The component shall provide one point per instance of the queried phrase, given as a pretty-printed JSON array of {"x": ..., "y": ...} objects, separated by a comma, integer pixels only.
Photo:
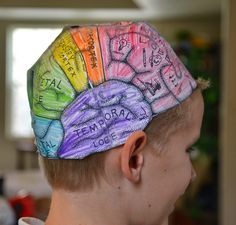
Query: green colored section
[
  {"x": 30, "y": 77},
  {"x": 52, "y": 91}
]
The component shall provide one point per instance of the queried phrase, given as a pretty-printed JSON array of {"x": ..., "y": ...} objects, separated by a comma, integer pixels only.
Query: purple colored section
[{"x": 102, "y": 118}]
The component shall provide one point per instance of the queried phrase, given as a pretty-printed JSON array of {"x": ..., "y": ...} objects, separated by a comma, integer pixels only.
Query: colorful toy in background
[
  {"x": 23, "y": 205},
  {"x": 199, "y": 206}
]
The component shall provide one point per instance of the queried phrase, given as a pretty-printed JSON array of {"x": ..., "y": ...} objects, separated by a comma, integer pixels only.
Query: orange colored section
[{"x": 88, "y": 43}]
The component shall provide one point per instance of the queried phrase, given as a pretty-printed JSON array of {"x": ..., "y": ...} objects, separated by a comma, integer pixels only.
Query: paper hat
[{"x": 95, "y": 85}]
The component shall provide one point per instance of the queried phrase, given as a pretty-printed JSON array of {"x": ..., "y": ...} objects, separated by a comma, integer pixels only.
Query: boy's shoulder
[{"x": 30, "y": 221}]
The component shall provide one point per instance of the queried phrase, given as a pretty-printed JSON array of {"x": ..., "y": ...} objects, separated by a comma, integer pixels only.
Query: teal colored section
[{"x": 49, "y": 135}]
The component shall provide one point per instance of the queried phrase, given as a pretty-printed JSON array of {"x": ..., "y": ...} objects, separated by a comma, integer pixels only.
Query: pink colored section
[{"x": 136, "y": 53}]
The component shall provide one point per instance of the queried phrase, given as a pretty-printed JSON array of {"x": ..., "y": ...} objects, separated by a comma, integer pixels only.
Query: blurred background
[{"x": 201, "y": 32}]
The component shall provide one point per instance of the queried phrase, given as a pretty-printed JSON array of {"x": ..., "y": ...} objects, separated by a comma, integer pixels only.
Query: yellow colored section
[
  {"x": 69, "y": 57},
  {"x": 87, "y": 40}
]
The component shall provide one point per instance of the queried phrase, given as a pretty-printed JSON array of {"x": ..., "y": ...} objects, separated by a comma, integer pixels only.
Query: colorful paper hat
[{"x": 95, "y": 85}]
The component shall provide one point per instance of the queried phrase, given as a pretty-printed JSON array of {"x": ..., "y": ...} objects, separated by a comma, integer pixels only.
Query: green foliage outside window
[{"x": 202, "y": 58}]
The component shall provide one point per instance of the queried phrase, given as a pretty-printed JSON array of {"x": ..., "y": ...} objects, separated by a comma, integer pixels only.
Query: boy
[{"x": 114, "y": 113}]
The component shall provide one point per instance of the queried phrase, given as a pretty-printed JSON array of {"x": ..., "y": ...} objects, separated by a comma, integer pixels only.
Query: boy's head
[
  {"x": 106, "y": 100},
  {"x": 74, "y": 175}
]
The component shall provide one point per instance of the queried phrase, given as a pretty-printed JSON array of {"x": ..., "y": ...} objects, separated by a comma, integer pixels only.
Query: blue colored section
[{"x": 49, "y": 135}]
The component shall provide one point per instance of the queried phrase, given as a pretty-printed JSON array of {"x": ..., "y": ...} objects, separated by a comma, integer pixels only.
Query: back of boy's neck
[
  {"x": 81, "y": 209},
  {"x": 68, "y": 208}
]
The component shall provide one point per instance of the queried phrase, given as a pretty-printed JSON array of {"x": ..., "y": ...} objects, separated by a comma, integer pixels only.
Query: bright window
[{"x": 25, "y": 47}]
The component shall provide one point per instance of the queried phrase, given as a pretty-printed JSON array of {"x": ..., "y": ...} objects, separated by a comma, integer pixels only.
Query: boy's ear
[{"x": 132, "y": 156}]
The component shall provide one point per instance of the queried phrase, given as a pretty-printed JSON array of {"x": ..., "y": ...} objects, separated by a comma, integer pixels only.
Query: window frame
[{"x": 9, "y": 108}]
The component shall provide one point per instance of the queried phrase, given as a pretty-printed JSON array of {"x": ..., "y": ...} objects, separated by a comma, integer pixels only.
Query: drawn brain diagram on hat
[{"x": 95, "y": 85}]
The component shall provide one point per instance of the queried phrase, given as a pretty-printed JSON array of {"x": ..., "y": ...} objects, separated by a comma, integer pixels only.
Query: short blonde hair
[
  {"x": 172, "y": 120},
  {"x": 76, "y": 175}
]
